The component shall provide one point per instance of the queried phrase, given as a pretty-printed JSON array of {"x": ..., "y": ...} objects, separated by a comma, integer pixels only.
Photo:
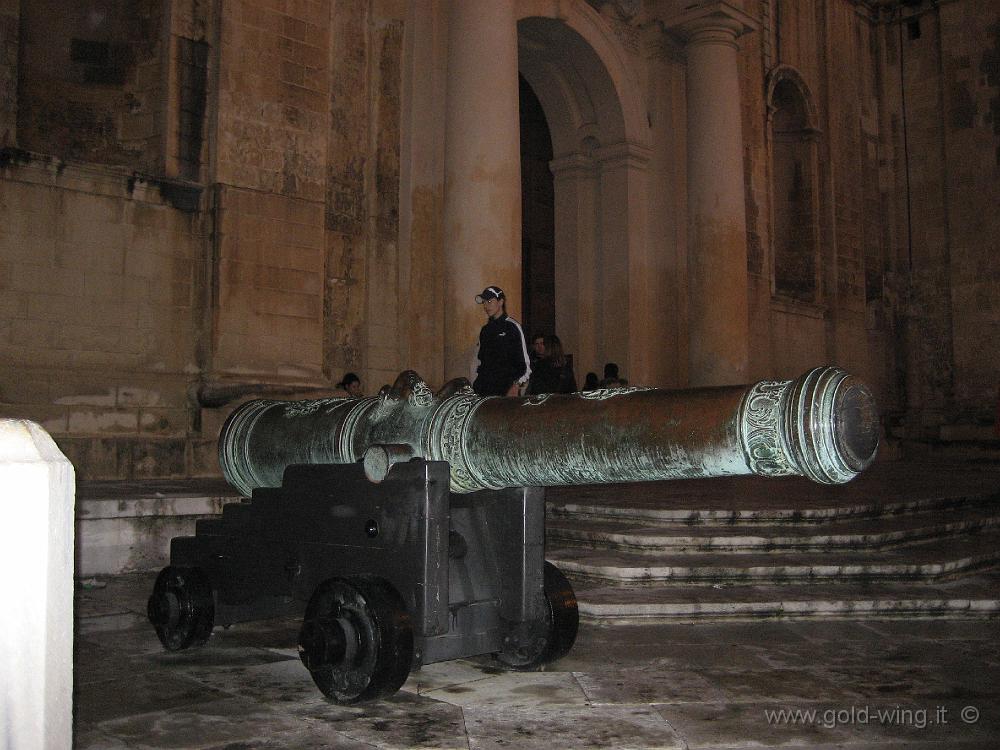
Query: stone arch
[
  {"x": 577, "y": 67},
  {"x": 787, "y": 76},
  {"x": 793, "y": 158}
]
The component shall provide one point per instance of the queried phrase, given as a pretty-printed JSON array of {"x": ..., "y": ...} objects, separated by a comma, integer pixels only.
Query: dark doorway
[{"x": 537, "y": 217}]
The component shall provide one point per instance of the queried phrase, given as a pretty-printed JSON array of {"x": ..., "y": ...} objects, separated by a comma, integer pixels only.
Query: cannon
[{"x": 408, "y": 528}]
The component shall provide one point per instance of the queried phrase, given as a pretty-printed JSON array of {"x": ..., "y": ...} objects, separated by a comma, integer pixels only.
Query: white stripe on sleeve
[{"x": 524, "y": 351}]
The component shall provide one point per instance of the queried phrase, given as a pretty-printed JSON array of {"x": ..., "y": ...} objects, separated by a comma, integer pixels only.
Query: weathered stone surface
[
  {"x": 711, "y": 685},
  {"x": 9, "y": 46},
  {"x": 270, "y": 297},
  {"x": 272, "y": 120},
  {"x": 312, "y": 243},
  {"x": 101, "y": 104}
]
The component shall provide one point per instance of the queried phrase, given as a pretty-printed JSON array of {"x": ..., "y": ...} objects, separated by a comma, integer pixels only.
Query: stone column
[
  {"x": 577, "y": 259},
  {"x": 717, "y": 248},
  {"x": 482, "y": 188},
  {"x": 632, "y": 333},
  {"x": 36, "y": 577}
]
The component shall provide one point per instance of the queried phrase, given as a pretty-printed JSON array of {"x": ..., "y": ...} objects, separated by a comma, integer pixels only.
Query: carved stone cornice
[
  {"x": 623, "y": 10},
  {"x": 625, "y": 154},
  {"x": 571, "y": 165},
  {"x": 710, "y": 22},
  {"x": 659, "y": 44}
]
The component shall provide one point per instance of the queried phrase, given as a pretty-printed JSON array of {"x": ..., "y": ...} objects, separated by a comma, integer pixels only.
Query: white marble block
[{"x": 37, "y": 494}]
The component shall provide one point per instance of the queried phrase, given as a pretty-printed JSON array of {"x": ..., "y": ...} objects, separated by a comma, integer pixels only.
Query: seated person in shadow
[
  {"x": 537, "y": 350},
  {"x": 612, "y": 378},
  {"x": 591, "y": 383},
  {"x": 554, "y": 372},
  {"x": 351, "y": 385}
]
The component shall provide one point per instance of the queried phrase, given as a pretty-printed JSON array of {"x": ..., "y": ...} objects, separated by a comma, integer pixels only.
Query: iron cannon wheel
[
  {"x": 356, "y": 639},
  {"x": 561, "y": 623},
  {"x": 181, "y": 607}
]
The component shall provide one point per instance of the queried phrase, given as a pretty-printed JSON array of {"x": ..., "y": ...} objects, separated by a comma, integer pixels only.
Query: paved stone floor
[{"x": 809, "y": 684}]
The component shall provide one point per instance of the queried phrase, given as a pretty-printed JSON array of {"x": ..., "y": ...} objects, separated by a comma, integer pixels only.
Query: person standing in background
[
  {"x": 504, "y": 365},
  {"x": 537, "y": 350},
  {"x": 553, "y": 373}
]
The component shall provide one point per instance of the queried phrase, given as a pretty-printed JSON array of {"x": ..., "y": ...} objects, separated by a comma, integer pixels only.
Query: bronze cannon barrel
[{"x": 823, "y": 425}]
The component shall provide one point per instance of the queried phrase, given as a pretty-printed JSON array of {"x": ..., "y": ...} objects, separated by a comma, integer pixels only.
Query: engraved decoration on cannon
[{"x": 408, "y": 528}]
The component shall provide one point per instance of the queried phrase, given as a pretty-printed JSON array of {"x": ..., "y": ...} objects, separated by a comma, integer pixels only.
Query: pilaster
[{"x": 717, "y": 244}]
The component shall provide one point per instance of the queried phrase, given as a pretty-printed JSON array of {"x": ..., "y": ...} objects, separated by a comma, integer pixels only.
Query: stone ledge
[
  {"x": 926, "y": 561},
  {"x": 876, "y": 506},
  {"x": 146, "y": 507},
  {"x": 970, "y": 597},
  {"x": 122, "y": 534},
  {"x": 853, "y": 609}
]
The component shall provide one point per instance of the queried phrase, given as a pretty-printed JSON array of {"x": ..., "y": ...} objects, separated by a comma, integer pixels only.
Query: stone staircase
[
  {"x": 908, "y": 538},
  {"x": 901, "y": 540}
]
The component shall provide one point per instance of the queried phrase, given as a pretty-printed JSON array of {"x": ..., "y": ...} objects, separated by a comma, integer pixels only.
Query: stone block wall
[
  {"x": 363, "y": 318},
  {"x": 853, "y": 251},
  {"x": 101, "y": 289},
  {"x": 10, "y": 21},
  {"x": 348, "y": 181},
  {"x": 269, "y": 311},
  {"x": 923, "y": 246},
  {"x": 274, "y": 174},
  {"x": 273, "y": 112},
  {"x": 387, "y": 313},
  {"x": 124, "y": 293},
  {"x": 308, "y": 177},
  {"x": 308, "y": 171},
  {"x": 970, "y": 45},
  {"x": 843, "y": 321},
  {"x": 943, "y": 72},
  {"x": 91, "y": 81},
  {"x": 302, "y": 236}
]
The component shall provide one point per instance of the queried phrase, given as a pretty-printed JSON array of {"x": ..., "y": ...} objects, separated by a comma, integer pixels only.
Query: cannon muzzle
[{"x": 823, "y": 425}]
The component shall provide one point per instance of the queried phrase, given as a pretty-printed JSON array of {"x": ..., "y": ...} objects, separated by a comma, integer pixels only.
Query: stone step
[
  {"x": 865, "y": 533},
  {"x": 127, "y": 526},
  {"x": 712, "y": 511},
  {"x": 973, "y": 596},
  {"x": 928, "y": 560}
]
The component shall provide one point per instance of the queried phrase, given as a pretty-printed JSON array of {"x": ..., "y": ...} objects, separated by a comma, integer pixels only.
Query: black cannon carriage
[{"x": 408, "y": 528}]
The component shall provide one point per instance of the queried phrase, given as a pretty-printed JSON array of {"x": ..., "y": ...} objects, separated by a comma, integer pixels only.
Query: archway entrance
[
  {"x": 601, "y": 294},
  {"x": 538, "y": 302}
]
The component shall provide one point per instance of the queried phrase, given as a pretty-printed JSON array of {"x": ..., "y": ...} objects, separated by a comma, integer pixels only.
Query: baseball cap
[{"x": 490, "y": 292}]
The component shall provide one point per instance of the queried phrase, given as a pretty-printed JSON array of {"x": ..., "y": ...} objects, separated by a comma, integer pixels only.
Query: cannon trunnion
[
  {"x": 409, "y": 527},
  {"x": 393, "y": 575}
]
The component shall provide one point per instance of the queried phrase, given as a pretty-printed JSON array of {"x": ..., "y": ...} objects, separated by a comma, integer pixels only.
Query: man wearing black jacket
[{"x": 503, "y": 355}]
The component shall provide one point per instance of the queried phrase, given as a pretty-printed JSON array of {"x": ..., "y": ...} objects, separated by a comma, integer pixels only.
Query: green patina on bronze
[{"x": 823, "y": 425}]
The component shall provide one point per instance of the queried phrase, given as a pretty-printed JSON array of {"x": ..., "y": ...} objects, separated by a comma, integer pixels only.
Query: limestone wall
[
  {"x": 839, "y": 316},
  {"x": 308, "y": 165},
  {"x": 271, "y": 154},
  {"x": 970, "y": 43},
  {"x": 284, "y": 225},
  {"x": 363, "y": 193},
  {"x": 102, "y": 285},
  {"x": 92, "y": 81},
  {"x": 125, "y": 295},
  {"x": 10, "y": 32},
  {"x": 942, "y": 63}
]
